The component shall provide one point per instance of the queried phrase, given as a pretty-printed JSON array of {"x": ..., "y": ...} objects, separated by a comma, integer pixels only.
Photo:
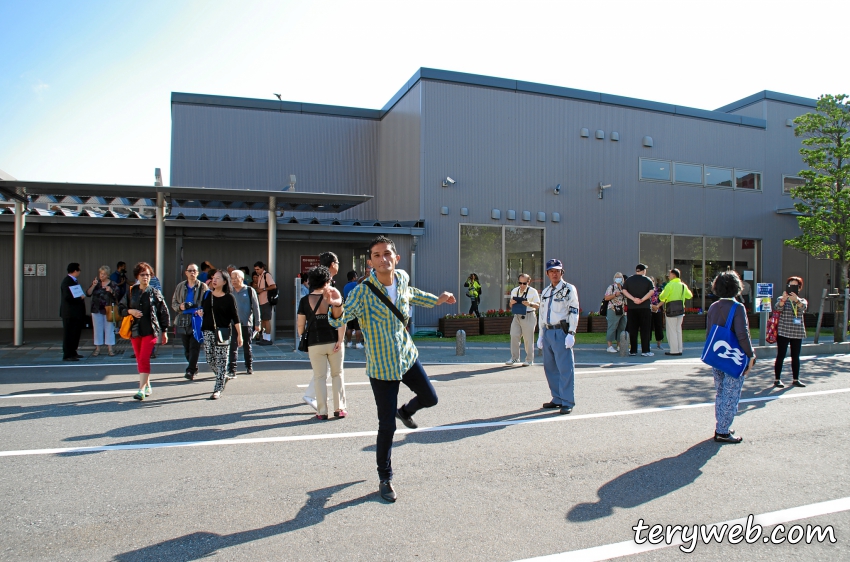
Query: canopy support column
[
  {"x": 160, "y": 237},
  {"x": 20, "y": 222},
  {"x": 273, "y": 256}
]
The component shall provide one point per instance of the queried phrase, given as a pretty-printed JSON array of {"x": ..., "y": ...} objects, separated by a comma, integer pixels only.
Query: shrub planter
[
  {"x": 490, "y": 325},
  {"x": 583, "y": 325},
  {"x": 693, "y": 322},
  {"x": 449, "y": 326},
  {"x": 598, "y": 324}
]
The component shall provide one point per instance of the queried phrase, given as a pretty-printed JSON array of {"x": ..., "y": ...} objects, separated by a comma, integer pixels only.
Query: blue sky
[{"x": 85, "y": 85}]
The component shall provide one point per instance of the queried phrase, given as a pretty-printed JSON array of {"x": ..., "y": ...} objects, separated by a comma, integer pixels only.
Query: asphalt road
[{"x": 490, "y": 476}]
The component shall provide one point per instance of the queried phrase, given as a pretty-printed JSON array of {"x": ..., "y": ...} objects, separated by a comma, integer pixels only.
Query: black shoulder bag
[
  {"x": 388, "y": 302},
  {"x": 273, "y": 294},
  {"x": 676, "y": 308},
  {"x": 303, "y": 343}
]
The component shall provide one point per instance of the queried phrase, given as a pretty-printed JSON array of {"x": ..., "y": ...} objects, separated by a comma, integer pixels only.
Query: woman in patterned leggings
[
  {"x": 727, "y": 286},
  {"x": 218, "y": 309}
]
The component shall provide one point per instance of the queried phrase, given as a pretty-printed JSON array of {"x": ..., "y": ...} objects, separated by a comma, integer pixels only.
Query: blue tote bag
[
  {"x": 197, "y": 322},
  {"x": 722, "y": 350}
]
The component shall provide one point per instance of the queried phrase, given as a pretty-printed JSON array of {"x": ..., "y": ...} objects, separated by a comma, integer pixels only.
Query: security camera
[
  {"x": 558, "y": 189},
  {"x": 450, "y": 180}
]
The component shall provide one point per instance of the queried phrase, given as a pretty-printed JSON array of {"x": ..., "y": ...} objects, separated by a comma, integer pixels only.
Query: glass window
[
  {"x": 523, "y": 254},
  {"x": 658, "y": 170},
  {"x": 718, "y": 177},
  {"x": 481, "y": 253},
  {"x": 747, "y": 180},
  {"x": 687, "y": 173},
  {"x": 747, "y": 258},
  {"x": 718, "y": 258},
  {"x": 655, "y": 255},
  {"x": 790, "y": 182},
  {"x": 687, "y": 257}
]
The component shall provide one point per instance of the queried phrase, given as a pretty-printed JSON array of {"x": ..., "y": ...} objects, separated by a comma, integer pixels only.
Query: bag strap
[
  {"x": 731, "y": 316},
  {"x": 313, "y": 319},
  {"x": 388, "y": 303}
]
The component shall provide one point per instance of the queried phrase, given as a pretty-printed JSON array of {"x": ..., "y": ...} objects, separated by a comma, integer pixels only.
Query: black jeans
[
  {"x": 781, "y": 349},
  {"x": 473, "y": 308},
  {"x": 658, "y": 324},
  {"x": 191, "y": 349},
  {"x": 639, "y": 320},
  {"x": 73, "y": 328},
  {"x": 386, "y": 399},
  {"x": 233, "y": 358}
]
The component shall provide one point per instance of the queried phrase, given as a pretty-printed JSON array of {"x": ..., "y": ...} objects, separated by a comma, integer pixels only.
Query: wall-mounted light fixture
[
  {"x": 558, "y": 189},
  {"x": 602, "y": 188},
  {"x": 291, "y": 182},
  {"x": 448, "y": 181}
]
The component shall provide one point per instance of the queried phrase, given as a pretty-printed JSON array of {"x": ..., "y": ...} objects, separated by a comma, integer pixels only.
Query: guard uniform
[{"x": 559, "y": 303}]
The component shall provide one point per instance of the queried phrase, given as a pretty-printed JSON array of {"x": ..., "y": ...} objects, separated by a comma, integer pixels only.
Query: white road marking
[
  {"x": 84, "y": 393},
  {"x": 316, "y": 437},
  {"x": 346, "y": 384},
  {"x": 627, "y": 548}
]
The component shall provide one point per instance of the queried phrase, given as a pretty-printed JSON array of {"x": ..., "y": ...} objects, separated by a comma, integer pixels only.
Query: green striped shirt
[{"x": 389, "y": 348}]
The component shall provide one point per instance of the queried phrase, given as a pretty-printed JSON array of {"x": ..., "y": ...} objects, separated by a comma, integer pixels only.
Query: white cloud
[{"x": 40, "y": 88}]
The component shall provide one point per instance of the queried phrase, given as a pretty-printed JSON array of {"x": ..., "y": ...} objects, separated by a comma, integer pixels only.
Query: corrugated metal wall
[
  {"x": 757, "y": 110},
  {"x": 508, "y": 151},
  {"x": 244, "y": 148},
  {"x": 399, "y": 159}
]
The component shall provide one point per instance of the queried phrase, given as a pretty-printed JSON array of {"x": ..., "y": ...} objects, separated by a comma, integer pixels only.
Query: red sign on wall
[
  {"x": 308, "y": 263},
  {"x": 748, "y": 244}
]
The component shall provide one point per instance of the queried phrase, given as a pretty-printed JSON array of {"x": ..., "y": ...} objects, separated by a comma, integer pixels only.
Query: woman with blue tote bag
[{"x": 729, "y": 351}]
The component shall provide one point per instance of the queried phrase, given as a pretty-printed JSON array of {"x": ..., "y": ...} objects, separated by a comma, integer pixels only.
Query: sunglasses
[
  {"x": 523, "y": 282},
  {"x": 144, "y": 274},
  {"x": 191, "y": 271}
]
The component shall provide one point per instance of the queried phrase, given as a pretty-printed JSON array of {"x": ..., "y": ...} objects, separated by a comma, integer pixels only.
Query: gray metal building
[{"x": 700, "y": 190}]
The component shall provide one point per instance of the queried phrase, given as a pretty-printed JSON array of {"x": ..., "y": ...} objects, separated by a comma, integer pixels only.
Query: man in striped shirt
[{"x": 391, "y": 357}]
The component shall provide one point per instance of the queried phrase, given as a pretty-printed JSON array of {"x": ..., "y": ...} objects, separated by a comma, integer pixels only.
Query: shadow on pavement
[
  {"x": 202, "y": 544},
  {"x": 438, "y": 436},
  {"x": 646, "y": 483}
]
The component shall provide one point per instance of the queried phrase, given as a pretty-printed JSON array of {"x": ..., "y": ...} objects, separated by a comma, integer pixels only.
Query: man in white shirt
[{"x": 525, "y": 300}]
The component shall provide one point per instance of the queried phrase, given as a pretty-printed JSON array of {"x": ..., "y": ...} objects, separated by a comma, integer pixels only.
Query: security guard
[
  {"x": 559, "y": 311},
  {"x": 525, "y": 300}
]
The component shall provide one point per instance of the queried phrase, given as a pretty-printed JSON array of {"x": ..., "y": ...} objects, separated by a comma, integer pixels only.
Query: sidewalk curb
[{"x": 810, "y": 349}]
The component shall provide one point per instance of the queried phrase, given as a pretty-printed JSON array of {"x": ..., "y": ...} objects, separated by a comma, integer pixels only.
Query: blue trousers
[
  {"x": 726, "y": 401},
  {"x": 559, "y": 366}
]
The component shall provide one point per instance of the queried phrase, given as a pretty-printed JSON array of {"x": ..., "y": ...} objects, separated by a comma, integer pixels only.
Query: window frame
[
  {"x": 655, "y": 180},
  {"x": 747, "y": 171},
  {"x": 715, "y": 186},
  {"x": 701, "y": 173},
  {"x": 788, "y": 193}
]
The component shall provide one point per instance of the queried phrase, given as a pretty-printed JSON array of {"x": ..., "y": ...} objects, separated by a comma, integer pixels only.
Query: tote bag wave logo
[{"x": 722, "y": 350}]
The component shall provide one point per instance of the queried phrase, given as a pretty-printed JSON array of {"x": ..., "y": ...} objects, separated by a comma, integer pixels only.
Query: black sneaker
[
  {"x": 249, "y": 371},
  {"x": 408, "y": 421},
  {"x": 190, "y": 374},
  {"x": 727, "y": 438},
  {"x": 632, "y": 354},
  {"x": 387, "y": 491}
]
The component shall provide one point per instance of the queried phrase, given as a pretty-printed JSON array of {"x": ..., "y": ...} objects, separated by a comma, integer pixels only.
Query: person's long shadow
[
  {"x": 202, "y": 544},
  {"x": 646, "y": 483},
  {"x": 448, "y": 433}
]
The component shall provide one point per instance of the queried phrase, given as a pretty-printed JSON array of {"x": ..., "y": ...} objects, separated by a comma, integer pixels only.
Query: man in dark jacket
[{"x": 73, "y": 312}]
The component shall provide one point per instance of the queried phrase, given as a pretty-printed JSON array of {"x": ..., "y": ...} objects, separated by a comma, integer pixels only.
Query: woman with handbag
[
  {"x": 325, "y": 343},
  {"x": 151, "y": 319},
  {"x": 102, "y": 311},
  {"x": 675, "y": 294},
  {"x": 473, "y": 291},
  {"x": 791, "y": 330},
  {"x": 615, "y": 312},
  {"x": 726, "y": 287},
  {"x": 218, "y": 311}
]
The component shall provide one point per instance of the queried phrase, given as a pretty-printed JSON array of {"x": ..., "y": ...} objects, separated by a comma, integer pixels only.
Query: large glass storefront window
[
  {"x": 498, "y": 255},
  {"x": 718, "y": 258},
  {"x": 700, "y": 259}
]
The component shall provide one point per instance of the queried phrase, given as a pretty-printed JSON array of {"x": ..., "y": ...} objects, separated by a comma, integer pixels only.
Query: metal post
[
  {"x": 846, "y": 303},
  {"x": 820, "y": 316},
  {"x": 412, "y": 323},
  {"x": 460, "y": 343},
  {"x": 18, "y": 338},
  {"x": 160, "y": 237},
  {"x": 273, "y": 254},
  {"x": 763, "y": 327},
  {"x": 295, "y": 315}
]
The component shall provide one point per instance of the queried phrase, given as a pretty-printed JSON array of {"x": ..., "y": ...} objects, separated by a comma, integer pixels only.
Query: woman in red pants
[{"x": 150, "y": 320}]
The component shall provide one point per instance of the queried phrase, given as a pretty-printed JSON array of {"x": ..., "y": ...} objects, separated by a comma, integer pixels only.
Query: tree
[{"x": 824, "y": 200}]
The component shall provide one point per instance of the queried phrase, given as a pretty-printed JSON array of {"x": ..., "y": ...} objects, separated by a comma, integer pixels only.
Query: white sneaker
[
  {"x": 349, "y": 345},
  {"x": 647, "y": 354},
  {"x": 528, "y": 364},
  {"x": 311, "y": 402},
  {"x": 512, "y": 361},
  {"x": 611, "y": 349},
  {"x": 359, "y": 346}
]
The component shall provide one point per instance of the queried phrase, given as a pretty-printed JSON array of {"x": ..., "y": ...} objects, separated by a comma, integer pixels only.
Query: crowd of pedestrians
[{"x": 222, "y": 311}]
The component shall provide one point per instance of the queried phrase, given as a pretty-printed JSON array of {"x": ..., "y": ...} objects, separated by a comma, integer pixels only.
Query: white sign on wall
[
  {"x": 29, "y": 269},
  {"x": 41, "y": 270}
]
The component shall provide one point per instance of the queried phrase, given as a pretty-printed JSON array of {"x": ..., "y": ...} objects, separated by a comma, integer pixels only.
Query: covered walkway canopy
[{"x": 23, "y": 192}]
